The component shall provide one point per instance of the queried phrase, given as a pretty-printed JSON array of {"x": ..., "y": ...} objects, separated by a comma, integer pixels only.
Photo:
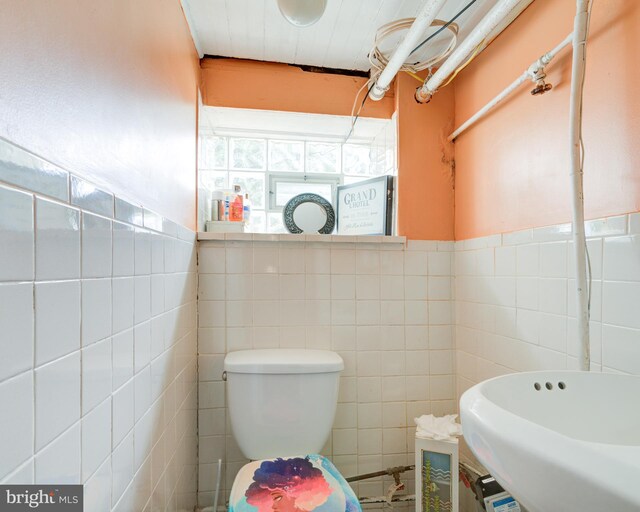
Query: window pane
[
  {"x": 247, "y": 154},
  {"x": 390, "y": 161},
  {"x": 213, "y": 152},
  {"x": 214, "y": 180},
  {"x": 285, "y": 156},
  {"x": 348, "y": 180},
  {"x": 251, "y": 183},
  {"x": 285, "y": 190},
  {"x": 256, "y": 222},
  {"x": 355, "y": 160},
  {"x": 378, "y": 160},
  {"x": 275, "y": 224},
  {"x": 323, "y": 157}
]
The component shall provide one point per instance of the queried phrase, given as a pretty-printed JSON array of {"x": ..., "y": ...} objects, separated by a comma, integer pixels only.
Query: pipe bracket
[{"x": 377, "y": 93}]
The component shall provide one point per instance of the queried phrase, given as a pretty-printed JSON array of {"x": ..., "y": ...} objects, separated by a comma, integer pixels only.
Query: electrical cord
[
  {"x": 370, "y": 83},
  {"x": 468, "y": 61},
  {"x": 443, "y": 27}
]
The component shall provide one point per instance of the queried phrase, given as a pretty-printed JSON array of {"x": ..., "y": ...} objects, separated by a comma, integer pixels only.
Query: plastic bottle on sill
[
  {"x": 236, "y": 208},
  {"x": 217, "y": 200},
  {"x": 246, "y": 213},
  {"x": 226, "y": 212}
]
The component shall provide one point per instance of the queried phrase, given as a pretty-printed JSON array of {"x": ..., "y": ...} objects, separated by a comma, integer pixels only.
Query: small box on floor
[{"x": 494, "y": 497}]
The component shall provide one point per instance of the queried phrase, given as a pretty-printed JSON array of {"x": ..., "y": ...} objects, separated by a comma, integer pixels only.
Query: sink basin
[{"x": 559, "y": 441}]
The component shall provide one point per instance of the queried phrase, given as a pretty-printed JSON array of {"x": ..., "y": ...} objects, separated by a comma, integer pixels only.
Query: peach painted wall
[
  {"x": 107, "y": 90},
  {"x": 259, "y": 85},
  {"x": 512, "y": 168},
  {"x": 425, "y": 158}
]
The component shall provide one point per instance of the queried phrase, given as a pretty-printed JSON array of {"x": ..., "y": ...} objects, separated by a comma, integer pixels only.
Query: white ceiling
[{"x": 255, "y": 29}]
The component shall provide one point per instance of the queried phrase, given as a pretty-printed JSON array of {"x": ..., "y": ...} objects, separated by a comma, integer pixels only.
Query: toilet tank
[{"x": 282, "y": 402}]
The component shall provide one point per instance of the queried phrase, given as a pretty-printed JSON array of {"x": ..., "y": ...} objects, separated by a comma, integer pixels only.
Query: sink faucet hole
[
  {"x": 562, "y": 385},
  {"x": 549, "y": 386},
  {"x": 537, "y": 386}
]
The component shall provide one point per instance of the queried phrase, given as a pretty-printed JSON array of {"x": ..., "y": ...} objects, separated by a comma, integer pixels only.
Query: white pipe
[
  {"x": 529, "y": 74},
  {"x": 484, "y": 29},
  {"x": 411, "y": 40},
  {"x": 580, "y": 30}
]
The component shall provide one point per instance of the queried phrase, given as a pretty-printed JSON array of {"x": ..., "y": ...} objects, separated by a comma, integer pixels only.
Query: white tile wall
[
  {"x": 97, "y": 332},
  {"x": 16, "y": 229},
  {"x": 385, "y": 308},
  {"x": 16, "y": 320},
  {"x": 57, "y": 241},
  {"x": 98, "y": 342},
  {"x": 515, "y": 301}
]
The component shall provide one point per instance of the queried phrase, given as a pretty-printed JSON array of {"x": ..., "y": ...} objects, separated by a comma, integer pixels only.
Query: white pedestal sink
[{"x": 573, "y": 445}]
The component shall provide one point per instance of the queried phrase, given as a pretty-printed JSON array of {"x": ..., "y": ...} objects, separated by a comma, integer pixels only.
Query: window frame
[{"x": 290, "y": 177}]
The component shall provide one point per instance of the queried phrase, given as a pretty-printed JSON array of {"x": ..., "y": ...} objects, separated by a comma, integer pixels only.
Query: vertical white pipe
[
  {"x": 411, "y": 40},
  {"x": 483, "y": 29},
  {"x": 580, "y": 30}
]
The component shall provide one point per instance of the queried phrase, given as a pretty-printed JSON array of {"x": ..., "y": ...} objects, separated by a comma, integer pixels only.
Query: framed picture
[{"x": 366, "y": 207}]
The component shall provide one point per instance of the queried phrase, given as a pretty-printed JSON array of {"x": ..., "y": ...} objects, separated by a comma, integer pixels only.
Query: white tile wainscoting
[
  {"x": 515, "y": 300},
  {"x": 98, "y": 340},
  {"x": 384, "y": 306}
]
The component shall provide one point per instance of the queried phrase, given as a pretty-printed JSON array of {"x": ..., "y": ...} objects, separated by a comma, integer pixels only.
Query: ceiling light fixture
[{"x": 302, "y": 13}]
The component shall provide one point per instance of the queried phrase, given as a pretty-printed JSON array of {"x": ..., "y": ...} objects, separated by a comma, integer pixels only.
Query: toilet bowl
[{"x": 282, "y": 404}]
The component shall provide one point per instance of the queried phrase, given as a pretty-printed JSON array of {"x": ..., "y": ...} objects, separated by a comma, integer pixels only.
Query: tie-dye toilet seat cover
[{"x": 292, "y": 484}]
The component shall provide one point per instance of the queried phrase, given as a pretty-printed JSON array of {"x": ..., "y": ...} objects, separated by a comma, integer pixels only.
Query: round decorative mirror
[{"x": 309, "y": 213}]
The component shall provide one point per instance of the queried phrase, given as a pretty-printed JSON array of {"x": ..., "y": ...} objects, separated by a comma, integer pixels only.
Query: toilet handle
[{"x": 224, "y": 376}]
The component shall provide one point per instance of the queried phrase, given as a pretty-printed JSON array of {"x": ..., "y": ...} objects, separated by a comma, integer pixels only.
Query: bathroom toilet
[{"x": 282, "y": 404}]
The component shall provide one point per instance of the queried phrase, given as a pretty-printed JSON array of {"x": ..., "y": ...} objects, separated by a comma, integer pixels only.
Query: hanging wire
[
  {"x": 443, "y": 27},
  {"x": 370, "y": 83}
]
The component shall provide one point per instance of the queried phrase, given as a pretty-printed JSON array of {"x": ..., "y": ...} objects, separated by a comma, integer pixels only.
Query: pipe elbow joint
[{"x": 423, "y": 95}]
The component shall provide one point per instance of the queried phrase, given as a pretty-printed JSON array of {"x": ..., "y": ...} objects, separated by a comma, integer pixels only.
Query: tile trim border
[
  {"x": 120, "y": 209},
  {"x": 613, "y": 225}
]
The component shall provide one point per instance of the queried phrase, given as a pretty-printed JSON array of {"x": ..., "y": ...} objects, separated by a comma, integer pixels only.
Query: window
[
  {"x": 282, "y": 188},
  {"x": 272, "y": 170}
]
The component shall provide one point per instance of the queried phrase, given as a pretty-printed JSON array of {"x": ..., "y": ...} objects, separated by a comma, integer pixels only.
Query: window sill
[{"x": 267, "y": 237}]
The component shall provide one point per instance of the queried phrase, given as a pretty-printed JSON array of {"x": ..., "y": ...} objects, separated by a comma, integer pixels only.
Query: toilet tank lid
[{"x": 291, "y": 361}]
